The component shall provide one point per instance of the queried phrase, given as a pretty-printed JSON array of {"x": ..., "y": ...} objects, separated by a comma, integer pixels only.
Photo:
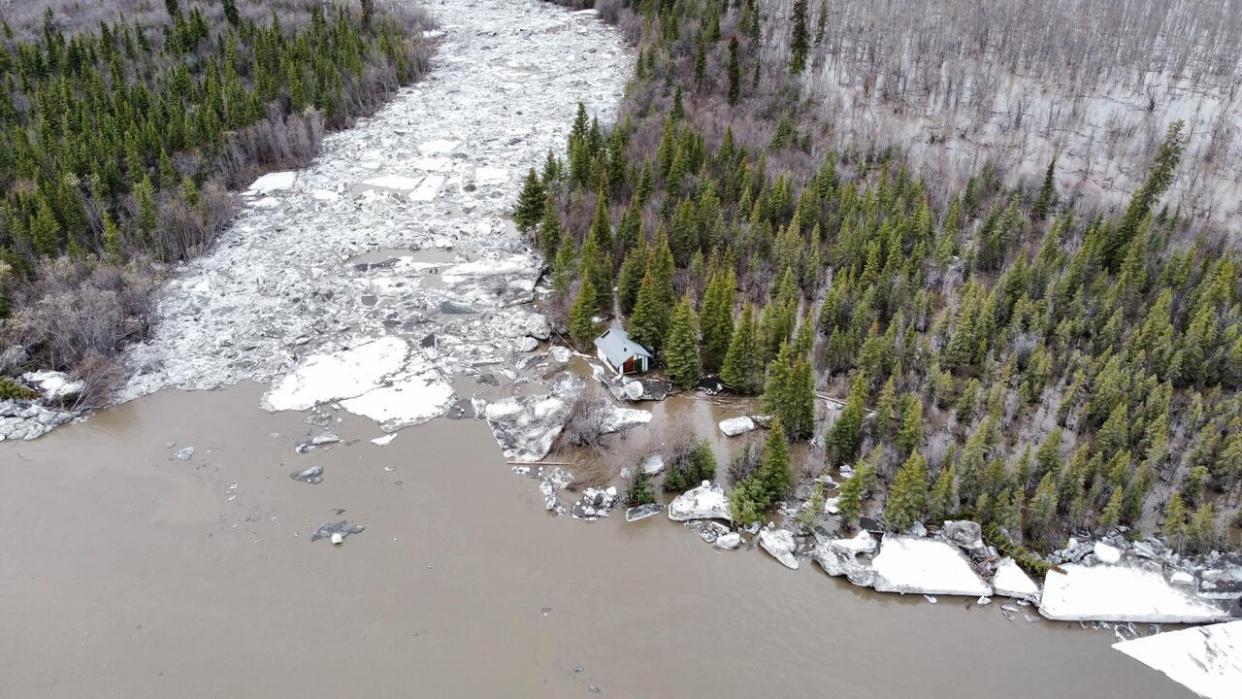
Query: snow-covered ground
[
  {"x": 1206, "y": 659},
  {"x": 389, "y": 267}
]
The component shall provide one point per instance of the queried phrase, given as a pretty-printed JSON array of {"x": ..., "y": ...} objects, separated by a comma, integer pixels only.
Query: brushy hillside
[
  {"x": 124, "y": 124},
  {"x": 957, "y": 83},
  {"x": 1002, "y": 354}
]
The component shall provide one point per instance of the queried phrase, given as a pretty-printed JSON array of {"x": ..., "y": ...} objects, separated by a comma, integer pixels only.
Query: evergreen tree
[
  {"x": 1175, "y": 521},
  {"x": 742, "y": 370},
  {"x": 1048, "y": 193},
  {"x": 907, "y": 498},
  {"x": 846, "y": 433},
  {"x": 774, "y": 471},
  {"x": 800, "y": 40},
  {"x": 910, "y": 436},
  {"x": 654, "y": 306},
  {"x": 943, "y": 500},
  {"x": 45, "y": 231},
  {"x": 717, "y": 317},
  {"x": 582, "y": 326},
  {"x": 530, "y": 204},
  {"x": 852, "y": 490},
  {"x": 734, "y": 72},
  {"x": 682, "y": 353},
  {"x": 549, "y": 228}
]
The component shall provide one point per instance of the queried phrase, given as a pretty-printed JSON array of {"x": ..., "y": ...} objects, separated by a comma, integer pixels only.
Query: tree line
[{"x": 1001, "y": 355}]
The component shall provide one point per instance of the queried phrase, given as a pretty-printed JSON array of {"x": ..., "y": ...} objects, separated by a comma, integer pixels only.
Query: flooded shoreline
[{"x": 131, "y": 573}]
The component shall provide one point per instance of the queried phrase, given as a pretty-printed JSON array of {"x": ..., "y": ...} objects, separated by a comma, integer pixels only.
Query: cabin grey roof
[{"x": 617, "y": 347}]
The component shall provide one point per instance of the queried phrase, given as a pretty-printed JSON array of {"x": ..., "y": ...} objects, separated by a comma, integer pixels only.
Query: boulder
[
  {"x": 708, "y": 501},
  {"x": 781, "y": 544},
  {"x": 964, "y": 533},
  {"x": 735, "y": 426},
  {"x": 1011, "y": 581}
]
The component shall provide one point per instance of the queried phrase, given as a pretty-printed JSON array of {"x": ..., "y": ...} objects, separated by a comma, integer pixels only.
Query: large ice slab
[
  {"x": 274, "y": 182},
  {"x": 925, "y": 566},
  {"x": 348, "y": 373},
  {"x": 1207, "y": 660},
  {"x": 413, "y": 397},
  {"x": 1121, "y": 593}
]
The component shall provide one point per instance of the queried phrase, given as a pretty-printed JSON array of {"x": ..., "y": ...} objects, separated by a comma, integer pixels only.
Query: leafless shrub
[
  {"x": 100, "y": 377},
  {"x": 587, "y": 418},
  {"x": 79, "y": 309}
]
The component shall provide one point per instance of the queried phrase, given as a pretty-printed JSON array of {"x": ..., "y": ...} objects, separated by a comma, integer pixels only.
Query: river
[{"x": 128, "y": 572}]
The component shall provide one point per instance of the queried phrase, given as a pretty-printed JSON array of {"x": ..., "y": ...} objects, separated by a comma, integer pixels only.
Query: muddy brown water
[{"x": 125, "y": 572}]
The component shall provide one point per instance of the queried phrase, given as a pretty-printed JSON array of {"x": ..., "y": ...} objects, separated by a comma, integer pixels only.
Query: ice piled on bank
[
  {"x": 707, "y": 501},
  {"x": 329, "y": 376},
  {"x": 1121, "y": 593},
  {"x": 1011, "y": 581},
  {"x": 1207, "y": 660},
  {"x": 621, "y": 419},
  {"x": 780, "y": 543},
  {"x": 925, "y": 566}
]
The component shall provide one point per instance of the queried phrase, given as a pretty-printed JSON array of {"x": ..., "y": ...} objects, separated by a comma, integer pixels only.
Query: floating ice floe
[
  {"x": 708, "y": 501},
  {"x": 427, "y": 188},
  {"x": 1011, "y": 581},
  {"x": 1207, "y": 660},
  {"x": 925, "y": 566},
  {"x": 1121, "y": 593},
  {"x": 273, "y": 182},
  {"x": 491, "y": 175},
  {"x": 330, "y": 376},
  {"x": 396, "y": 183},
  {"x": 527, "y": 427},
  {"x": 384, "y": 440},
  {"x": 440, "y": 146},
  {"x": 412, "y": 398},
  {"x": 621, "y": 419},
  {"x": 735, "y": 426}
]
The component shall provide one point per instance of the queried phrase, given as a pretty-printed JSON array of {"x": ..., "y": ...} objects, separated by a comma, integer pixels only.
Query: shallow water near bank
[{"x": 130, "y": 573}]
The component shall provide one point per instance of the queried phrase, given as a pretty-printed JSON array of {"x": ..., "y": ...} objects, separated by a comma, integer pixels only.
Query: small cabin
[{"x": 621, "y": 354}]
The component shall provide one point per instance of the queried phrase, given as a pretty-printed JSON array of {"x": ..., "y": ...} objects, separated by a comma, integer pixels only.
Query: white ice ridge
[{"x": 1121, "y": 593}]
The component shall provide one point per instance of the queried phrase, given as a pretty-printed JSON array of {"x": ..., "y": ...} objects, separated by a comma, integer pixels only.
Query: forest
[
  {"x": 1043, "y": 363},
  {"x": 125, "y": 125}
]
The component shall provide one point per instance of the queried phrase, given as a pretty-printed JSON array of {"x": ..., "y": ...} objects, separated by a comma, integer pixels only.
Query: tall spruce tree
[
  {"x": 530, "y": 204},
  {"x": 800, "y": 39},
  {"x": 682, "y": 354},
  {"x": 742, "y": 370},
  {"x": 582, "y": 326}
]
